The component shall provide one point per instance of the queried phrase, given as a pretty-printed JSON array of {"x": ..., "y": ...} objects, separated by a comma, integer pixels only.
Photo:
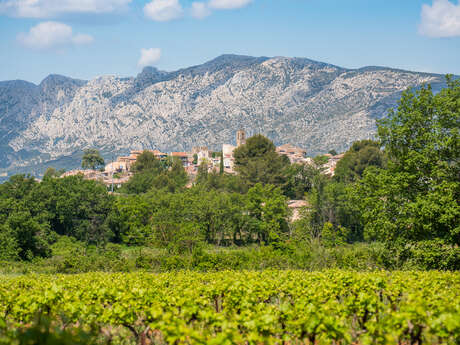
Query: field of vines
[{"x": 268, "y": 307}]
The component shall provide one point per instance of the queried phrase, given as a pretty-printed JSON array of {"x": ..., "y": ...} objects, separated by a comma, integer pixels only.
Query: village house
[
  {"x": 201, "y": 154},
  {"x": 184, "y": 157},
  {"x": 295, "y": 154},
  {"x": 125, "y": 163},
  {"x": 229, "y": 161}
]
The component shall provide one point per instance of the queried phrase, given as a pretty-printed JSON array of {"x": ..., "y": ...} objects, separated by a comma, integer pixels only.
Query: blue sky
[{"x": 89, "y": 38}]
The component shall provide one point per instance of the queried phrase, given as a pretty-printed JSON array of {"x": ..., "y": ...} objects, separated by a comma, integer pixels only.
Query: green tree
[
  {"x": 417, "y": 197},
  {"x": 92, "y": 159},
  {"x": 152, "y": 173},
  {"x": 30, "y": 235},
  {"x": 177, "y": 173},
  {"x": 320, "y": 161},
  {"x": 202, "y": 175},
  {"x": 52, "y": 172},
  {"x": 139, "y": 183},
  {"x": 73, "y": 207},
  {"x": 130, "y": 220},
  {"x": 17, "y": 187},
  {"x": 299, "y": 180},
  {"x": 361, "y": 155},
  {"x": 258, "y": 162},
  {"x": 317, "y": 199},
  {"x": 24, "y": 231},
  {"x": 333, "y": 236},
  {"x": 267, "y": 206},
  {"x": 9, "y": 247},
  {"x": 147, "y": 161}
]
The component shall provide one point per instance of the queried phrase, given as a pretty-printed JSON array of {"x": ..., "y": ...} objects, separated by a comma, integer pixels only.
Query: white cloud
[
  {"x": 228, "y": 4},
  {"x": 53, "y": 8},
  {"x": 163, "y": 10},
  {"x": 149, "y": 56},
  {"x": 200, "y": 10},
  {"x": 52, "y": 35},
  {"x": 82, "y": 39},
  {"x": 442, "y": 19}
]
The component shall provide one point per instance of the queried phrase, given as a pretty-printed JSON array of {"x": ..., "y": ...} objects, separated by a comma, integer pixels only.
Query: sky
[{"x": 89, "y": 38}]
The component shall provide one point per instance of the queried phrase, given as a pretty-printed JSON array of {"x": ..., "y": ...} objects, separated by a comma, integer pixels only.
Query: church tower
[{"x": 240, "y": 138}]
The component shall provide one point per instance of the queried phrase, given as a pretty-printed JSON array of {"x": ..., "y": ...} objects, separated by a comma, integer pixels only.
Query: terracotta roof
[
  {"x": 290, "y": 149},
  {"x": 158, "y": 153},
  {"x": 179, "y": 154},
  {"x": 129, "y": 158}
]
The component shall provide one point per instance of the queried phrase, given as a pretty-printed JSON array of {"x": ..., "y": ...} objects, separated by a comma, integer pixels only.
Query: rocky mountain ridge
[{"x": 311, "y": 104}]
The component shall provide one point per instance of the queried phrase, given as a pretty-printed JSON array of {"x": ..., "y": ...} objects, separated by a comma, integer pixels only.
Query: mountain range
[{"x": 314, "y": 105}]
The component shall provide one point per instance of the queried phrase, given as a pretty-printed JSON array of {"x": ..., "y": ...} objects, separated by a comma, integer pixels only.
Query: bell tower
[{"x": 240, "y": 138}]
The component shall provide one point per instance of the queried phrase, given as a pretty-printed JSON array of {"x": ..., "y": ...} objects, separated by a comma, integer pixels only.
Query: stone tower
[{"x": 240, "y": 138}]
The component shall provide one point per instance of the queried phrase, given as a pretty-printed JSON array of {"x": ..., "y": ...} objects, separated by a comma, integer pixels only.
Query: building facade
[{"x": 240, "y": 138}]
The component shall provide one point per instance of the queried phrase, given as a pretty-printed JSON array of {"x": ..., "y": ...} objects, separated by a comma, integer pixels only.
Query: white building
[{"x": 116, "y": 167}]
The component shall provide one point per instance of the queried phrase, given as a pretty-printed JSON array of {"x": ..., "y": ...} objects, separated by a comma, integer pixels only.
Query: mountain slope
[{"x": 307, "y": 103}]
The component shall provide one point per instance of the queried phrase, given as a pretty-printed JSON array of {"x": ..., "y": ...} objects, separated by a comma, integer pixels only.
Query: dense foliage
[
  {"x": 32, "y": 214},
  {"x": 151, "y": 172},
  {"x": 92, "y": 159},
  {"x": 417, "y": 197},
  {"x": 258, "y": 162},
  {"x": 270, "y": 307}
]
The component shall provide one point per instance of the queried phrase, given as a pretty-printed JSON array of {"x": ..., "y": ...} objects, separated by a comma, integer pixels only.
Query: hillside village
[{"x": 120, "y": 171}]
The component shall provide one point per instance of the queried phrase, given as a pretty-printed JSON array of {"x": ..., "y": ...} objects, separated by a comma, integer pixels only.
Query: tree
[
  {"x": 320, "y": 161},
  {"x": 417, "y": 196},
  {"x": 147, "y": 161},
  {"x": 9, "y": 248},
  {"x": 30, "y": 235},
  {"x": 73, "y": 207},
  {"x": 221, "y": 163},
  {"x": 202, "y": 175},
  {"x": 92, "y": 159},
  {"x": 332, "y": 236},
  {"x": 299, "y": 180},
  {"x": 24, "y": 227},
  {"x": 139, "y": 183},
  {"x": 268, "y": 208},
  {"x": 177, "y": 173},
  {"x": 361, "y": 155},
  {"x": 317, "y": 198},
  {"x": 130, "y": 219},
  {"x": 152, "y": 173},
  {"x": 258, "y": 162},
  {"x": 52, "y": 172}
]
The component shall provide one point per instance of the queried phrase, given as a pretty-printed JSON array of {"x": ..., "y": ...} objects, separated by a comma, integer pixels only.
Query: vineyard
[{"x": 269, "y": 307}]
